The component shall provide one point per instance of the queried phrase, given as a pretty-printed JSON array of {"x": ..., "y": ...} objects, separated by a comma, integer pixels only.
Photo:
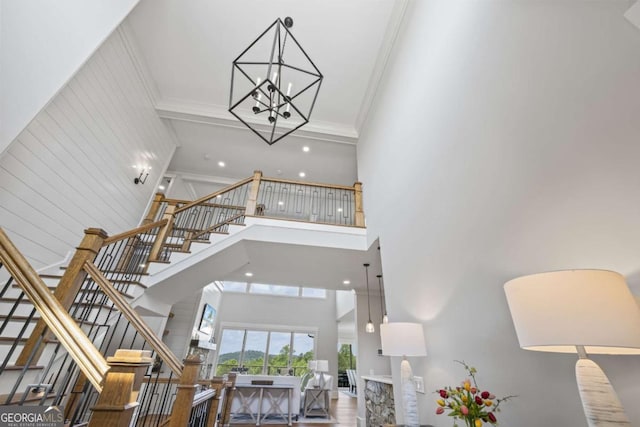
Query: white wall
[
  {"x": 71, "y": 168},
  {"x": 186, "y": 318},
  {"x": 43, "y": 45},
  {"x": 264, "y": 310},
  {"x": 504, "y": 141},
  {"x": 345, "y": 303},
  {"x": 180, "y": 326}
]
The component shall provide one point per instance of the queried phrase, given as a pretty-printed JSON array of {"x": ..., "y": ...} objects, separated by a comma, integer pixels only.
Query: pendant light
[
  {"x": 369, "y": 328},
  {"x": 383, "y": 304}
]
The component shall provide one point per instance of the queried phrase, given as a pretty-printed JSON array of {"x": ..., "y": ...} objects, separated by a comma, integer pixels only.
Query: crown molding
[
  {"x": 218, "y": 115},
  {"x": 208, "y": 179},
  {"x": 388, "y": 43}
]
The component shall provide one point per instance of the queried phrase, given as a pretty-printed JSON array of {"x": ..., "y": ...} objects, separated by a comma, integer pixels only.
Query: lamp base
[
  {"x": 409, "y": 399},
  {"x": 599, "y": 400}
]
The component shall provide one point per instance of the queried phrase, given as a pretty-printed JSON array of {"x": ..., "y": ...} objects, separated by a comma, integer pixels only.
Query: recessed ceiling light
[
  {"x": 280, "y": 203},
  {"x": 339, "y": 209},
  {"x": 248, "y": 274},
  {"x": 305, "y": 149},
  {"x": 219, "y": 196},
  {"x": 161, "y": 187},
  {"x": 302, "y": 174},
  {"x": 221, "y": 164},
  {"x": 346, "y": 282}
]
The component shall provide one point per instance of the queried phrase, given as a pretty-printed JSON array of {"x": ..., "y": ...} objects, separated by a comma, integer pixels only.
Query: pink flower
[
  {"x": 473, "y": 390},
  {"x": 485, "y": 394},
  {"x": 440, "y": 410},
  {"x": 444, "y": 394},
  {"x": 464, "y": 410}
]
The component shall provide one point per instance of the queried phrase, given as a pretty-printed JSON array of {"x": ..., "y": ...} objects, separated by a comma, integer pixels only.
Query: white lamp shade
[
  {"x": 559, "y": 310},
  {"x": 312, "y": 365},
  {"x": 402, "y": 339},
  {"x": 322, "y": 366}
]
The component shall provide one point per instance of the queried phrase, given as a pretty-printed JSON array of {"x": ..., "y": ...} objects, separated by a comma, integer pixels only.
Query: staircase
[{"x": 107, "y": 274}]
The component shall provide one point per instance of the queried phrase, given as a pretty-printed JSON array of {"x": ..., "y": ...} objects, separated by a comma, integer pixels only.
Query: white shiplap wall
[{"x": 71, "y": 168}]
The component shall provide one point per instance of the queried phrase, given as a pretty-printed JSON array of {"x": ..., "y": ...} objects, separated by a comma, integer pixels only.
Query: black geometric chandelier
[{"x": 274, "y": 84}]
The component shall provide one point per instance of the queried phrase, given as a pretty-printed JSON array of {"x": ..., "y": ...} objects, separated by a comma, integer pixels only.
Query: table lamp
[
  {"x": 322, "y": 366},
  {"x": 583, "y": 312},
  {"x": 405, "y": 339}
]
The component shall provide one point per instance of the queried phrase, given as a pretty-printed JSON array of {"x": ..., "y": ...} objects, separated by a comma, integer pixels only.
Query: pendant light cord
[
  {"x": 366, "y": 273},
  {"x": 382, "y": 310}
]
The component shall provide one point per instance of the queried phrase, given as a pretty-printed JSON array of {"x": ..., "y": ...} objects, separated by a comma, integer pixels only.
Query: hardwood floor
[{"x": 344, "y": 410}]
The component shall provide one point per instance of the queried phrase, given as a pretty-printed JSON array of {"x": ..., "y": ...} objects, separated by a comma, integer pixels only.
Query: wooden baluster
[
  {"x": 252, "y": 200},
  {"x": 66, "y": 290},
  {"x": 217, "y": 384},
  {"x": 153, "y": 209},
  {"x": 163, "y": 233},
  {"x": 119, "y": 396},
  {"x": 229, "y": 391},
  {"x": 186, "y": 390},
  {"x": 359, "y": 217}
]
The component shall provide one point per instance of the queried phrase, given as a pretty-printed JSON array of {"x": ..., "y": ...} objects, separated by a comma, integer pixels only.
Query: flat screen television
[{"x": 207, "y": 321}]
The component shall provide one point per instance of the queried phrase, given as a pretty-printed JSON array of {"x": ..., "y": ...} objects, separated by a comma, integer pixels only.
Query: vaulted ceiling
[{"x": 186, "y": 50}]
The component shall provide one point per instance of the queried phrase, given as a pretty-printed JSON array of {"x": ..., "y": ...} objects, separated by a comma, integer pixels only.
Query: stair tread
[
  {"x": 18, "y": 397},
  {"x": 10, "y": 340},
  {"x": 26, "y": 301},
  {"x": 20, "y": 368},
  {"x": 124, "y": 294},
  {"x": 36, "y": 318},
  {"x": 50, "y": 276}
]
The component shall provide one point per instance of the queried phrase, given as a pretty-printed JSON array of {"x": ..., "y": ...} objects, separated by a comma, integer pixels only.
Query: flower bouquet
[{"x": 468, "y": 403}]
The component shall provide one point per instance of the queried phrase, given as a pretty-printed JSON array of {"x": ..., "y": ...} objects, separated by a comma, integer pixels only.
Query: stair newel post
[
  {"x": 217, "y": 384},
  {"x": 153, "y": 209},
  {"x": 186, "y": 391},
  {"x": 67, "y": 289},
  {"x": 163, "y": 233},
  {"x": 121, "y": 386},
  {"x": 252, "y": 200},
  {"x": 359, "y": 218}
]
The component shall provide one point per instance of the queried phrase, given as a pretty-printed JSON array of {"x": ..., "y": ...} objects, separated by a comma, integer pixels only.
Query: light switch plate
[{"x": 419, "y": 381}]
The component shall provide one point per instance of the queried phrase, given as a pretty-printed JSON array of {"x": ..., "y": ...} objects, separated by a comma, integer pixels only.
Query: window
[
  {"x": 314, "y": 293},
  {"x": 234, "y": 287},
  {"x": 259, "y": 288},
  {"x": 246, "y": 350},
  {"x": 266, "y": 289}
]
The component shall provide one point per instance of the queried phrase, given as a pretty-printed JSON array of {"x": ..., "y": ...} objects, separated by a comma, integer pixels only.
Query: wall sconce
[{"x": 144, "y": 174}]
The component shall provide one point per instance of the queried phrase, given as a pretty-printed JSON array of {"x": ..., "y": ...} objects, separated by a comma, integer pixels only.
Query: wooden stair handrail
[
  {"x": 212, "y": 195},
  {"x": 134, "y": 318},
  {"x": 220, "y": 224},
  {"x": 134, "y": 232},
  {"x": 74, "y": 340},
  {"x": 311, "y": 184},
  {"x": 202, "y": 397}
]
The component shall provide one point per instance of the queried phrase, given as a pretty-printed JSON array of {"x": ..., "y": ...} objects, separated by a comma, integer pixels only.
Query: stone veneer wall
[{"x": 379, "y": 404}]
